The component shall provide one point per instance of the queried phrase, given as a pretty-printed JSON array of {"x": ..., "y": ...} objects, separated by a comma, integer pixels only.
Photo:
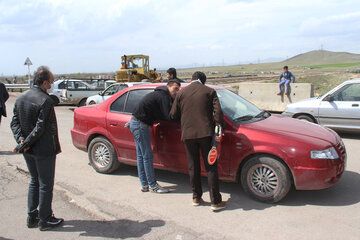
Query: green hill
[{"x": 319, "y": 57}]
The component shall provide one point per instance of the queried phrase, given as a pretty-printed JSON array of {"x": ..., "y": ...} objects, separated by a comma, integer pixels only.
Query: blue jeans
[
  {"x": 42, "y": 173},
  {"x": 144, "y": 153},
  {"x": 287, "y": 84}
]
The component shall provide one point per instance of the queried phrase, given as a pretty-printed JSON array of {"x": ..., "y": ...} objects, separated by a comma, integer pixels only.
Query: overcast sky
[{"x": 90, "y": 35}]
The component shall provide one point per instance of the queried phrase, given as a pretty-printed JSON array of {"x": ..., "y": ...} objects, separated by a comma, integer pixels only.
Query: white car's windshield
[{"x": 237, "y": 108}]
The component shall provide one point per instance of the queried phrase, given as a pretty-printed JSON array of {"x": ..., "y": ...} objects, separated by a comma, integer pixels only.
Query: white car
[
  {"x": 108, "y": 92},
  {"x": 338, "y": 109},
  {"x": 56, "y": 91}
]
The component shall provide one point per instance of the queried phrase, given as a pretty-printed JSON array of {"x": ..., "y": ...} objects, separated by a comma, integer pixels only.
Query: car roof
[
  {"x": 155, "y": 85},
  {"x": 356, "y": 80}
]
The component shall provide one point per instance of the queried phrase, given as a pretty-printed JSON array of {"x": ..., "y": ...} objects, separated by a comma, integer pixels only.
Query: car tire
[
  {"x": 102, "y": 155},
  {"x": 55, "y": 99},
  {"x": 304, "y": 117},
  {"x": 265, "y": 179},
  {"x": 92, "y": 103},
  {"x": 82, "y": 102}
]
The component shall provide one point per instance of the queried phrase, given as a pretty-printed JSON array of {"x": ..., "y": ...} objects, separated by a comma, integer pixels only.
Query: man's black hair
[
  {"x": 199, "y": 75},
  {"x": 42, "y": 74},
  {"x": 172, "y": 71},
  {"x": 172, "y": 82},
  {"x": 285, "y": 67}
]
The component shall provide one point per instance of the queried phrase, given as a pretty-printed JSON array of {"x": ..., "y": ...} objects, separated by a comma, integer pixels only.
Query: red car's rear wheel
[{"x": 102, "y": 155}]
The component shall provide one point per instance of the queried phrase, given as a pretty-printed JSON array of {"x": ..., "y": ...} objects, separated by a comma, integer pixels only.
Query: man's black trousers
[
  {"x": 193, "y": 148},
  {"x": 42, "y": 173}
]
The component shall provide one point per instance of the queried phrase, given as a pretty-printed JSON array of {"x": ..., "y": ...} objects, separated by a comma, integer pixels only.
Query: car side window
[
  {"x": 134, "y": 98},
  {"x": 61, "y": 85},
  {"x": 111, "y": 90},
  {"x": 349, "y": 92},
  {"x": 118, "y": 104}
]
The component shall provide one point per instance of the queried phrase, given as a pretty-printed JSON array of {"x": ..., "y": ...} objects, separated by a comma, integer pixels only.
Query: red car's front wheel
[{"x": 265, "y": 178}]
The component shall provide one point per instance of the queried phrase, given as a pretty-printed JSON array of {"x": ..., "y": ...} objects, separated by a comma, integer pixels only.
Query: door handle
[
  {"x": 113, "y": 124},
  {"x": 355, "y": 105}
]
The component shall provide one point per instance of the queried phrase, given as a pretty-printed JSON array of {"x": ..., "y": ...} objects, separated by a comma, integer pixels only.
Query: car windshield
[{"x": 239, "y": 109}]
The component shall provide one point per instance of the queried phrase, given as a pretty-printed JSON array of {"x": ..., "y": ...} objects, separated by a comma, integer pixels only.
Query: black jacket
[
  {"x": 154, "y": 106},
  {"x": 34, "y": 121},
  {"x": 4, "y": 95}
]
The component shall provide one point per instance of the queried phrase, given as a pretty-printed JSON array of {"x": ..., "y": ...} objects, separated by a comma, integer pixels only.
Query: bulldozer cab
[
  {"x": 138, "y": 62},
  {"x": 135, "y": 68}
]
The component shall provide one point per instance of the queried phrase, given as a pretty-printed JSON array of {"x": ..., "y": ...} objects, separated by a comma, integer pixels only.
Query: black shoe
[
  {"x": 32, "y": 222},
  {"x": 50, "y": 223}
]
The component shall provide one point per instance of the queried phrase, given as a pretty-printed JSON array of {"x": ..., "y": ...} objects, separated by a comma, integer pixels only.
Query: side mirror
[{"x": 329, "y": 98}]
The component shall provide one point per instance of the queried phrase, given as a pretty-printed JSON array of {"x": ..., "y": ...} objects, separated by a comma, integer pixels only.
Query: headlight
[{"x": 329, "y": 153}]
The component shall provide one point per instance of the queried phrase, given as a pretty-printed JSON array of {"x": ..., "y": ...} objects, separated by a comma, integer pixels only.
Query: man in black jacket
[
  {"x": 171, "y": 75},
  {"x": 4, "y": 95},
  {"x": 153, "y": 107},
  {"x": 35, "y": 130}
]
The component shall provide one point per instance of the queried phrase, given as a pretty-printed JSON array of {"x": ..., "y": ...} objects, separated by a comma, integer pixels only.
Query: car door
[
  {"x": 74, "y": 90},
  {"x": 170, "y": 148},
  {"x": 341, "y": 109},
  {"x": 119, "y": 113}
]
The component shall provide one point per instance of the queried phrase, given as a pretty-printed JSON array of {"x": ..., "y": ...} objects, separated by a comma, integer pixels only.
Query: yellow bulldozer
[{"x": 135, "y": 68}]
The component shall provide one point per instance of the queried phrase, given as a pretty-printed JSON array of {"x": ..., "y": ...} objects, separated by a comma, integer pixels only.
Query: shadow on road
[
  {"x": 7, "y": 153},
  {"x": 344, "y": 193},
  {"x": 2, "y": 238},
  {"x": 116, "y": 229},
  {"x": 349, "y": 135}
]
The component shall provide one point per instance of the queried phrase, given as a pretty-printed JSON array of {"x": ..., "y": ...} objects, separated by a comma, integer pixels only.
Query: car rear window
[{"x": 127, "y": 102}]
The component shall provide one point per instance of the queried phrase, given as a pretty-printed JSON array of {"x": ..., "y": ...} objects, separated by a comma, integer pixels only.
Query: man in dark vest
[{"x": 4, "y": 96}]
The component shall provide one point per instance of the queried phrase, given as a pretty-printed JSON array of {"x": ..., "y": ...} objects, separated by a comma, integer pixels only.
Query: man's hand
[
  {"x": 25, "y": 149},
  {"x": 218, "y": 138}
]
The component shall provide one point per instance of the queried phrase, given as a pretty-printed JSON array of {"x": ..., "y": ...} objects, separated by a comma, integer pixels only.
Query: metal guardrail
[{"x": 19, "y": 87}]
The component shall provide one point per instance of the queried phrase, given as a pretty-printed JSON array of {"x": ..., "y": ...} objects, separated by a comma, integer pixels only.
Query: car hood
[
  {"x": 295, "y": 129},
  {"x": 310, "y": 102}
]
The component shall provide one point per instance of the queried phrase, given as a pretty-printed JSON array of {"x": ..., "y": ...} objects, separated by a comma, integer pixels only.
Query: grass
[{"x": 335, "y": 65}]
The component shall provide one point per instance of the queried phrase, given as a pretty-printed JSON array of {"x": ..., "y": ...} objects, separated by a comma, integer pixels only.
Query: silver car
[{"x": 338, "y": 109}]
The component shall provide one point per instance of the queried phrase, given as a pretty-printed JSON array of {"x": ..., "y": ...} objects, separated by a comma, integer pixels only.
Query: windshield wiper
[
  {"x": 261, "y": 114},
  {"x": 244, "y": 118}
]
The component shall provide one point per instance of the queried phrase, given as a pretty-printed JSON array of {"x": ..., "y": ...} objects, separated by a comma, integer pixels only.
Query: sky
[{"x": 71, "y": 36}]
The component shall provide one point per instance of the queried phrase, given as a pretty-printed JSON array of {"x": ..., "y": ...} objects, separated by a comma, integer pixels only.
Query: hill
[{"x": 317, "y": 57}]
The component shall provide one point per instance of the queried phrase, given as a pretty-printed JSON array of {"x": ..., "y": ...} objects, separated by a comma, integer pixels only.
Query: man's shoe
[
  {"x": 158, "y": 189},
  {"x": 145, "y": 189},
  {"x": 287, "y": 94},
  {"x": 32, "y": 222},
  {"x": 218, "y": 207},
  {"x": 279, "y": 94},
  {"x": 196, "y": 202},
  {"x": 50, "y": 223}
]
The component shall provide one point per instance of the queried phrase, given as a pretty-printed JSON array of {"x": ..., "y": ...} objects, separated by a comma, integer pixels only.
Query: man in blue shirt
[{"x": 287, "y": 79}]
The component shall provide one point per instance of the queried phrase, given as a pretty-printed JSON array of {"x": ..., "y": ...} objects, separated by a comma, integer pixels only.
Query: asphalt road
[{"x": 112, "y": 206}]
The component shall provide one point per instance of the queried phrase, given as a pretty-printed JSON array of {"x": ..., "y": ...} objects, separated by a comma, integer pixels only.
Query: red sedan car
[{"x": 266, "y": 153}]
